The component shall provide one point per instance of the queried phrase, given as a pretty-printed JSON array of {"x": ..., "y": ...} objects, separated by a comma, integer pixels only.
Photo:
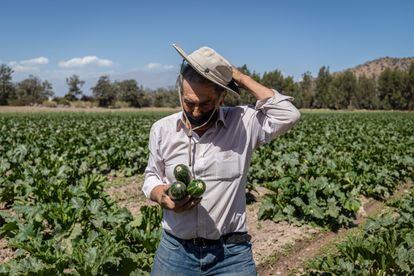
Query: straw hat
[{"x": 212, "y": 66}]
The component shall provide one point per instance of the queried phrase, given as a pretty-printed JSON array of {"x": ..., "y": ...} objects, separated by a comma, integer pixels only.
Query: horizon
[{"x": 128, "y": 39}]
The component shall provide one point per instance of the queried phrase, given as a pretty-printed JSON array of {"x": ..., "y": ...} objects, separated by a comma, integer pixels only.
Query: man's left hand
[{"x": 237, "y": 76}]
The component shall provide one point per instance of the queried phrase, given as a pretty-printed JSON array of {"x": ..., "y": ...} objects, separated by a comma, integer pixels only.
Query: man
[{"x": 208, "y": 236}]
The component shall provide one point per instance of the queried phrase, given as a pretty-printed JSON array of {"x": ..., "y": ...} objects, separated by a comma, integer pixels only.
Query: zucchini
[
  {"x": 177, "y": 191},
  {"x": 196, "y": 188},
  {"x": 182, "y": 173}
]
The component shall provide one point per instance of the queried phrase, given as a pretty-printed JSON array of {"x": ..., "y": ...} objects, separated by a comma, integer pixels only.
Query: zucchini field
[{"x": 57, "y": 218}]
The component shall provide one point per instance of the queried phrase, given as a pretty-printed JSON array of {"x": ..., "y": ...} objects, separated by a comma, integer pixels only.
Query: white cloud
[
  {"x": 152, "y": 65},
  {"x": 87, "y": 60},
  {"x": 28, "y": 64},
  {"x": 21, "y": 68},
  {"x": 35, "y": 61},
  {"x": 156, "y": 66},
  {"x": 18, "y": 67}
]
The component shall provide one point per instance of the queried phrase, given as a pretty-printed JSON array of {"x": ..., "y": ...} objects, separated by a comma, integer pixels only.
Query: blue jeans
[{"x": 176, "y": 258}]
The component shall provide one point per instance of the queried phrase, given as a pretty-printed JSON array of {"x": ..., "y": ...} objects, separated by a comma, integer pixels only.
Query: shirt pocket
[{"x": 227, "y": 166}]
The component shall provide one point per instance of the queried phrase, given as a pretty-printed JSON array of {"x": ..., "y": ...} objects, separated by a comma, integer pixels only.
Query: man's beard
[{"x": 200, "y": 120}]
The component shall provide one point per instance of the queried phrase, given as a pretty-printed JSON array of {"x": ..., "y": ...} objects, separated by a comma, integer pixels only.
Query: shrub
[{"x": 49, "y": 103}]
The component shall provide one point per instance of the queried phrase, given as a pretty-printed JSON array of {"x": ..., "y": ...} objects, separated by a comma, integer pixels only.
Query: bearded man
[{"x": 208, "y": 235}]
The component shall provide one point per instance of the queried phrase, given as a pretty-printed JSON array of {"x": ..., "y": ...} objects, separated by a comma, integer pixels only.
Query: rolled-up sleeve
[
  {"x": 273, "y": 117},
  {"x": 154, "y": 172}
]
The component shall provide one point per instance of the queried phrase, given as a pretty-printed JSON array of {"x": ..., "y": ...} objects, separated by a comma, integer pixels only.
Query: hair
[{"x": 193, "y": 76}]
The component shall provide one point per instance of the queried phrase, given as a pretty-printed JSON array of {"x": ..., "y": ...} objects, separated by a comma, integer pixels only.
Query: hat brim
[{"x": 231, "y": 86}]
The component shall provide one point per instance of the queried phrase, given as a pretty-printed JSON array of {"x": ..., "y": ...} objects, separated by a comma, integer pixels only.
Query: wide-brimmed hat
[{"x": 212, "y": 66}]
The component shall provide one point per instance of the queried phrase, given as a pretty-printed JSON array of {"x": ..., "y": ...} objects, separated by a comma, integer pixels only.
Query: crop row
[{"x": 384, "y": 247}]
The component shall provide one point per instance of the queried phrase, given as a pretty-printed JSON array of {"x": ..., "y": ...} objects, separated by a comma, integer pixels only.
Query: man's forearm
[{"x": 259, "y": 91}]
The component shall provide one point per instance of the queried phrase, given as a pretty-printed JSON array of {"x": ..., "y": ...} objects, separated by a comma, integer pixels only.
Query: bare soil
[
  {"x": 5, "y": 253},
  {"x": 127, "y": 192},
  {"x": 269, "y": 237}
]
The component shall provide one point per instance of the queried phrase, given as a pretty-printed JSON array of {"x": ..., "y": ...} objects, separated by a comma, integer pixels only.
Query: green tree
[
  {"x": 343, "y": 91},
  {"x": 74, "y": 84},
  {"x": 391, "y": 84},
  {"x": 129, "y": 91},
  {"x": 146, "y": 98},
  {"x": 103, "y": 92},
  {"x": 245, "y": 96},
  {"x": 306, "y": 91},
  {"x": 166, "y": 97},
  {"x": 159, "y": 100},
  {"x": 232, "y": 100},
  {"x": 290, "y": 87},
  {"x": 47, "y": 89},
  {"x": 32, "y": 90},
  {"x": 323, "y": 88},
  {"x": 409, "y": 89},
  {"x": 6, "y": 85},
  {"x": 366, "y": 94},
  {"x": 273, "y": 79}
]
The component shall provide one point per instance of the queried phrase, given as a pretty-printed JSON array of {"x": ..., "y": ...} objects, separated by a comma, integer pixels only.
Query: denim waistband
[{"x": 234, "y": 237}]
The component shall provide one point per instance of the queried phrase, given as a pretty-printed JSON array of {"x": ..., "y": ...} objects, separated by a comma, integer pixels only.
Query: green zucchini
[
  {"x": 177, "y": 190},
  {"x": 196, "y": 188},
  {"x": 182, "y": 173}
]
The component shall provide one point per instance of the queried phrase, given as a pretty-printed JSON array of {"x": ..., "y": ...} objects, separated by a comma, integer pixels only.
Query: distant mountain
[{"x": 377, "y": 66}]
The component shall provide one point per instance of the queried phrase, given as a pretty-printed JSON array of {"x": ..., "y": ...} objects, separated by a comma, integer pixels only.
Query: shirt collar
[{"x": 221, "y": 118}]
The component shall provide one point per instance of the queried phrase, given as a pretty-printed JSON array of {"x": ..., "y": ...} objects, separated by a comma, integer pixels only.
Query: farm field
[{"x": 71, "y": 200}]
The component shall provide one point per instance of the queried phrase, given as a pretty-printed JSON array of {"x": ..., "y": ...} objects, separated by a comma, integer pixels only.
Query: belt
[{"x": 235, "y": 237}]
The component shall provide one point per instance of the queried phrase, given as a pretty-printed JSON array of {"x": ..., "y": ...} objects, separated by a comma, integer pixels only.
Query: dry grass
[{"x": 34, "y": 109}]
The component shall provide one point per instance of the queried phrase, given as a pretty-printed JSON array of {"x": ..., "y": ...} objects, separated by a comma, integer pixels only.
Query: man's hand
[
  {"x": 160, "y": 196},
  {"x": 237, "y": 76},
  {"x": 259, "y": 91}
]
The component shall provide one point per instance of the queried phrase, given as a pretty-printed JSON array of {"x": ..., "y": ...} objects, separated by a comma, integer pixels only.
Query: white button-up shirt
[{"x": 221, "y": 157}]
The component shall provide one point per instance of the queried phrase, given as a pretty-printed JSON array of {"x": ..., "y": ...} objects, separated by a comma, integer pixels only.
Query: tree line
[{"x": 392, "y": 89}]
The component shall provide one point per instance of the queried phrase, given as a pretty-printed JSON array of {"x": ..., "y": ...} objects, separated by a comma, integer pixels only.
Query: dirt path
[
  {"x": 5, "y": 253},
  {"x": 305, "y": 250},
  {"x": 127, "y": 192},
  {"x": 269, "y": 237}
]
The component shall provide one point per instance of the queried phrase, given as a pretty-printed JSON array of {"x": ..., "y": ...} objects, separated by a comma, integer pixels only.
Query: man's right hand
[{"x": 159, "y": 195}]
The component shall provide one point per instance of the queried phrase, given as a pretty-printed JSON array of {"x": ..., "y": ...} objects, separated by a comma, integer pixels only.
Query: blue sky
[{"x": 132, "y": 39}]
